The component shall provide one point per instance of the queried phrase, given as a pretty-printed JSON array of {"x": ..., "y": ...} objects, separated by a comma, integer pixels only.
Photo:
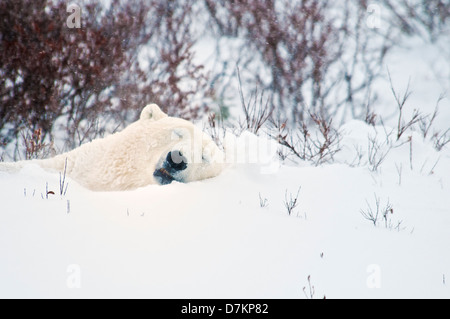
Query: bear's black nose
[{"x": 176, "y": 161}]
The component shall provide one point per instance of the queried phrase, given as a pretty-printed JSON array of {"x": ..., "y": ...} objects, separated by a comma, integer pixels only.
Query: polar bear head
[
  {"x": 186, "y": 153},
  {"x": 180, "y": 151}
]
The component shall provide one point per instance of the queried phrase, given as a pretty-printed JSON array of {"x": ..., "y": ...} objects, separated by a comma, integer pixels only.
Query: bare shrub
[
  {"x": 263, "y": 202},
  {"x": 257, "y": 110},
  {"x": 293, "y": 41},
  {"x": 371, "y": 117},
  {"x": 171, "y": 77},
  {"x": 86, "y": 82},
  {"x": 374, "y": 214},
  {"x": 35, "y": 146},
  {"x": 50, "y": 71},
  {"x": 426, "y": 18},
  {"x": 379, "y": 212},
  {"x": 317, "y": 143},
  {"x": 291, "y": 202},
  {"x": 308, "y": 54},
  {"x": 427, "y": 121},
  {"x": 401, "y": 99},
  {"x": 377, "y": 151},
  {"x": 216, "y": 128},
  {"x": 424, "y": 123},
  {"x": 441, "y": 140},
  {"x": 310, "y": 291}
]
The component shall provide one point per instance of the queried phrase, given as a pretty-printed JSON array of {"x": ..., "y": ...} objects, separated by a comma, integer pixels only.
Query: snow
[{"x": 212, "y": 239}]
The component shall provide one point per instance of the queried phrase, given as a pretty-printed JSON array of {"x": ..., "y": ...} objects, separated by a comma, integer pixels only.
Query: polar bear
[{"x": 157, "y": 149}]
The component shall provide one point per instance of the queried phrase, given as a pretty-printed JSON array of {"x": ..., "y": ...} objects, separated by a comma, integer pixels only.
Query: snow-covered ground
[{"x": 213, "y": 239}]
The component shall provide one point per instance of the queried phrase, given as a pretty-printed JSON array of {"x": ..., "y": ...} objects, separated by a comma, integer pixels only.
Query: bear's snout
[{"x": 175, "y": 162}]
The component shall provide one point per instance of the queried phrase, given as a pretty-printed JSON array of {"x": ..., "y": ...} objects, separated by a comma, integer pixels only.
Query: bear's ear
[{"x": 152, "y": 112}]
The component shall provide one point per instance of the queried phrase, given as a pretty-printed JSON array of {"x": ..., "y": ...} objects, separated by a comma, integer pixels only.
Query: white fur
[{"x": 127, "y": 160}]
